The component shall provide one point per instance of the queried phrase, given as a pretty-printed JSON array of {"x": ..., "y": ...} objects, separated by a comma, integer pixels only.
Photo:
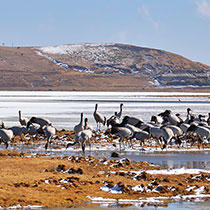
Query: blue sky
[{"x": 180, "y": 26}]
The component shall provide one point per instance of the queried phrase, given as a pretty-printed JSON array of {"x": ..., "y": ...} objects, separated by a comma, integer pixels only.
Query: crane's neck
[
  {"x": 96, "y": 107},
  {"x": 20, "y": 115},
  {"x": 81, "y": 120}
]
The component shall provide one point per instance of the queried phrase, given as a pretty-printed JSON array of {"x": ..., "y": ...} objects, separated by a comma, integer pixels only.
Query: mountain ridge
[{"x": 97, "y": 66}]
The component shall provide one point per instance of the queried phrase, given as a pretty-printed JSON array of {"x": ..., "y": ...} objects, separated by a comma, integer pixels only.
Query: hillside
[{"x": 97, "y": 67}]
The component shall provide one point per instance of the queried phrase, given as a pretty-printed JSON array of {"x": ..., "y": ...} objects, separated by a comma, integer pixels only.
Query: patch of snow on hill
[
  {"x": 65, "y": 65},
  {"x": 54, "y": 61},
  {"x": 155, "y": 83},
  {"x": 74, "y": 48},
  {"x": 93, "y": 52}
]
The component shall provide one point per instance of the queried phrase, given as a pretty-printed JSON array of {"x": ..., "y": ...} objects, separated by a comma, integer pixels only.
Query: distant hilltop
[{"x": 106, "y": 67}]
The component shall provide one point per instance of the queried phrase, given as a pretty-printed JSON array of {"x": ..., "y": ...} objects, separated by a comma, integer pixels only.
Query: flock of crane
[
  {"x": 164, "y": 127},
  {"x": 34, "y": 126}
]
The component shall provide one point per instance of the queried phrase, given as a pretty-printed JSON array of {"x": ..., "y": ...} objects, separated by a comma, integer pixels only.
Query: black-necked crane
[
  {"x": 170, "y": 117},
  {"x": 50, "y": 131},
  {"x": 40, "y": 121},
  {"x": 77, "y": 130},
  {"x": 87, "y": 125},
  {"x": 176, "y": 130},
  {"x": 208, "y": 119},
  {"x": 155, "y": 132},
  {"x": 79, "y": 127},
  {"x": 122, "y": 132},
  {"x": 99, "y": 118},
  {"x": 141, "y": 136},
  {"x": 23, "y": 120},
  {"x": 137, "y": 122},
  {"x": 168, "y": 135},
  {"x": 201, "y": 132},
  {"x": 189, "y": 116},
  {"x": 113, "y": 120},
  {"x": 83, "y": 136},
  {"x": 86, "y": 135},
  {"x": 157, "y": 120},
  {"x": 19, "y": 131},
  {"x": 33, "y": 131},
  {"x": 5, "y": 136},
  {"x": 119, "y": 114}
]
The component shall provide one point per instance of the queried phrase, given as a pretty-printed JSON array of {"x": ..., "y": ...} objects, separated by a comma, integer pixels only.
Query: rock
[
  {"x": 154, "y": 183},
  {"x": 161, "y": 189},
  {"x": 74, "y": 171},
  {"x": 115, "y": 155},
  {"x": 105, "y": 159},
  {"x": 165, "y": 180},
  {"x": 127, "y": 161},
  {"x": 60, "y": 168},
  {"x": 119, "y": 165},
  {"x": 144, "y": 176},
  {"x": 79, "y": 171},
  {"x": 122, "y": 173}
]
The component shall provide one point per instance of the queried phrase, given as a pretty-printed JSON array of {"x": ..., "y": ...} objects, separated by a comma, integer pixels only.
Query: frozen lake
[{"x": 64, "y": 108}]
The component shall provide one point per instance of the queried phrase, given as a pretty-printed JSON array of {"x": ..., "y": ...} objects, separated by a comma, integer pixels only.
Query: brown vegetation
[
  {"x": 22, "y": 68},
  {"x": 56, "y": 182}
]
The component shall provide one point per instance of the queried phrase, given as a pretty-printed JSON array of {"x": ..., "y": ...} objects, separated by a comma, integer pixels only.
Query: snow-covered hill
[
  {"x": 163, "y": 68},
  {"x": 99, "y": 66}
]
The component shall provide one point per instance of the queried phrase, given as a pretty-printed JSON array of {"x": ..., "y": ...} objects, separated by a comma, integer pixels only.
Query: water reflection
[
  {"x": 171, "y": 206},
  {"x": 168, "y": 160},
  {"x": 169, "y": 164},
  {"x": 197, "y": 160}
]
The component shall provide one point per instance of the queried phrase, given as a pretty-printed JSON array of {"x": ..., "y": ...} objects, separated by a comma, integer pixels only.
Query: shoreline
[
  {"x": 153, "y": 93},
  {"x": 78, "y": 181},
  {"x": 198, "y": 90}
]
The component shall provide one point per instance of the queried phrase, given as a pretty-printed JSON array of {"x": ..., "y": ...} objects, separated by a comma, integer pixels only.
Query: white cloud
[
  {"x": 203, "y": 8},
  {"x": 144, "y": 11}
]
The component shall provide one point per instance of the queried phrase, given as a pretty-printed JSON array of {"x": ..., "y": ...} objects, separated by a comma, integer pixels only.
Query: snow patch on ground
[
  {"x": 177, "y": 171},
  {"x": 115, "y": 190},
  {"x": 151, "y": 200},
  {"x": 18, "y": 206}
]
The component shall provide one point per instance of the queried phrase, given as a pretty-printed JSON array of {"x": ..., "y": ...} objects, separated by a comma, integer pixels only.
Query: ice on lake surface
[{"x": 64, "y": 108}]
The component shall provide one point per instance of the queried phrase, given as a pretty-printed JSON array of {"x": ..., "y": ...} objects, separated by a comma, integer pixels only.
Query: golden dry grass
[
  {"x": 27, "y": 180},
  {"x": 37, "y": 180},
  {"x": 26, "y": 70}
]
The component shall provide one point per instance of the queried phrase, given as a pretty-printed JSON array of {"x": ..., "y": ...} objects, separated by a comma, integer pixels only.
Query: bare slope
[{"x": 96, "y": 67}]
